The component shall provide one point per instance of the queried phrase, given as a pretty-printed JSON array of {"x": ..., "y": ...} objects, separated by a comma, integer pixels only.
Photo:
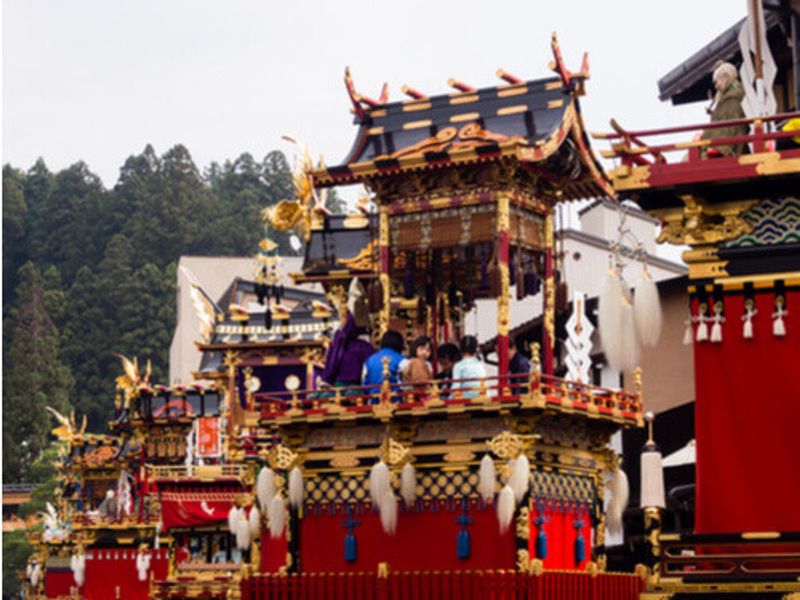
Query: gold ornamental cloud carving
[{"x": 702, "y": 224}]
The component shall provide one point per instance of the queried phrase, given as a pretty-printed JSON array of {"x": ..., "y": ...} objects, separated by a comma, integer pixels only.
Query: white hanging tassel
[
  {"x": 702, "y": 326},
  {"x": 652, "y": 479},
  {"x": 647, "y": 308},
  {"x": 296, "y": 488},
  {"x": 233, "y": 518},
  {"x": 487, "y": 479},
  {"x": 716, "y": 327},
  {"x": 520, "y": 476},
  {"x": 157, "y": 541},
  {"x": 142, "y": 565},
  {"x": 408, "y": 484},
  {"x": 688, "y": 334},
  {"x": 265, "y": 487},
  {"x": 78, "y": 565},
  {"x": 242, "y": 532},
  {"x": 36, "y": 575},
  {"x": 277, "y": 516},
  {"x": 379, "y": 482},
  {"x": 254, "y": 519},
  {"x": 620, "y": 491},
  {"x": 609, "y": 318},
  {"x": 629, "y": 346},
  {"x": 389, "y": 512},
  {"x": 749, "y": 313},
  {"x": 505, "y": 507},
  {"x": 778, "y": 326}
]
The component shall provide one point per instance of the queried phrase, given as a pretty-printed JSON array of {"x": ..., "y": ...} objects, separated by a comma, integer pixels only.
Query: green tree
[
  {"x": 16, "y": 551},
  {"x": 34, "y": 376},
  {"x": 14, "y": 214}
]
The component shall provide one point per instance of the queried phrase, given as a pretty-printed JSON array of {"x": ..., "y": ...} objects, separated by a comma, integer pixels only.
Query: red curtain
[
  {"x": 58, "y": 582},
  {"x": 189, "y": 511},
  {"x": 273, "y": 552},
  {"x": 424, "y": 540},
  {"x": 111, "y": 574},
  {"x": 561, "y": 525},
  {"x": 747, "y": 415}
]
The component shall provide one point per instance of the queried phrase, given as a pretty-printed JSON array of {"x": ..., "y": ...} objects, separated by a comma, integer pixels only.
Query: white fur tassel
[
  {"x": 142, "y": 565},
  {"x": 618, "y": 502},
  {"x": 520, "y": 476},
  {"x": 233, "y": 518},
  {"x": 36, "y": 576},
  {"x": 296, "y": 487},
  {"x": 379, "y": 482},
  {"x": 408, "y": 484},
  {"x": 78, "y": 565},
  {"x": 505, "y": 507},
  {"x": 389, "y": 512},
  {"x": 609, "y": 318},
  {"x": 242, "y": 532},
  {"x": 254, "y": 519},
  {"x": 487, "y": 479},
  {"x": 629, "y": 342},
  {"x": 647, "y": 307},
  {"x": 277, "y": 516},
  {"x": 265, "y": 487}
]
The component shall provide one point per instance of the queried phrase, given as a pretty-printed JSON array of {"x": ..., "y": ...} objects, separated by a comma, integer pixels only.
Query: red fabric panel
[
  {"x": 112, "y": 574},
  {"x": 58, "y": 582},
  {"x": 189, "y": 513},
  {"x": 424, "y": 540},
  {"x": 273, "y": 552},
  {"x": 747, "y": 411},
  {"x": 561, "y": 536}
]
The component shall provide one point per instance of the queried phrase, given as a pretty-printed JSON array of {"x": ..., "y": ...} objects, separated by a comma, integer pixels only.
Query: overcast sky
[{"x": 97, "y": 80}]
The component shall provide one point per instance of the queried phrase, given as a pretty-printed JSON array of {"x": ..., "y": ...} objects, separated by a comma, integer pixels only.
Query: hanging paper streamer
[
  {"x": 749, "y": 312},
  {"x": 78, "y": 565},
  {"x": 778, "y": 326},
  {"x": 717, "y": 321},
  {"x": 688, "y": 333},
  {"x": 142, "y": 564},
  {"x": 702, "y": 325}
]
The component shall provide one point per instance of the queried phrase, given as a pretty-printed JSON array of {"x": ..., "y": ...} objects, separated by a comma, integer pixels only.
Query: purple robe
[{"x": 346, "y": 355}]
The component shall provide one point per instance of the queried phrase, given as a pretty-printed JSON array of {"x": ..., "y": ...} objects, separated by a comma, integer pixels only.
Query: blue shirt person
[
  {"x": 391, "y": 348},
  {"x": 469, "y": 367}
]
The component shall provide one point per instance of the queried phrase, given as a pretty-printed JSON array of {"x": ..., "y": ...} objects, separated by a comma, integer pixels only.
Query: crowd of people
[{"x": 352, "y": 361}]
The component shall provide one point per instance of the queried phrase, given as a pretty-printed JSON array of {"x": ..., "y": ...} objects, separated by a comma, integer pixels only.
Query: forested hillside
[{"x": 89, "y": 272}]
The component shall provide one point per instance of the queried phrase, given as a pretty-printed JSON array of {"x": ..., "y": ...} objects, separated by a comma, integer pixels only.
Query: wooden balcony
[{"x": 491, "y": 394}]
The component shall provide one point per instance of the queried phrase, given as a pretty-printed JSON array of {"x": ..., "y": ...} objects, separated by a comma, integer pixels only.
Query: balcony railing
[
  {"x": 195, "y": 472},
  {"x": 631, "y": 148},
  {"x": 498, "y": 392},
  {"x": 731, "y": 558}
]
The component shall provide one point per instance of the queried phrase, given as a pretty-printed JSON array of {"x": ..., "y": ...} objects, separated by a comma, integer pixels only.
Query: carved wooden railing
[
  {"x": 383, "y": 400},
  {"x": 633, "y": 150}
]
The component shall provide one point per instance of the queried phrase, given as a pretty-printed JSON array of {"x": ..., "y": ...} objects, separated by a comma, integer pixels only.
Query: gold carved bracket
[{"x": 701, "y": 224}]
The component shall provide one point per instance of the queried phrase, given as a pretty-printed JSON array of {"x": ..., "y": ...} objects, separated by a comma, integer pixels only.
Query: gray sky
[{"x": 96, "y": 80}]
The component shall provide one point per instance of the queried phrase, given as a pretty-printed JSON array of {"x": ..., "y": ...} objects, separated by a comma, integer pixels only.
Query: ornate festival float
[{"x": 281, "y": 473}]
